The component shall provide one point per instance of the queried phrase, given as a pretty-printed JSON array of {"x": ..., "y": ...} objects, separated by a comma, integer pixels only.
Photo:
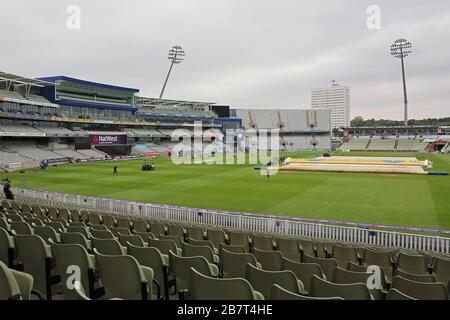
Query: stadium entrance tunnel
[{"x": 116, "y": 150}]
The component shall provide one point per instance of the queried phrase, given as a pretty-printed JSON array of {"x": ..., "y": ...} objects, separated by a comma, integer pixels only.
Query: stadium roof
[
  {"x": 53, "y": 79},
  {"x": 432, "y": 126},
  {"x": 167, "y": 102},
  {"x": 19, "y": 80}
]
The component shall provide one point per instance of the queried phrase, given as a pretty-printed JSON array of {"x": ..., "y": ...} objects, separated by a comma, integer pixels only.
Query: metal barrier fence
[{"x": 258, "y": 223}]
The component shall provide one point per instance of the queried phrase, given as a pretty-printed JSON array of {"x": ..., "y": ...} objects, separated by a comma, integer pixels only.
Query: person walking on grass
[{"x": 115, "y": 170}]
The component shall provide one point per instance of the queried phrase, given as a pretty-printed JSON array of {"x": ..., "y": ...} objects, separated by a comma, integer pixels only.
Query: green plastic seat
[
  {"x": 233, "y": 264},
  {"x": 21, "y": 227},
  {"x": 382, "y": 259},
  {"x": 14, "y": 285},
  {"x": 7, "y": 250},
  {"x": 441, "y": 269},
  {"x": 133, "y": 239},
  {"x": 157, "y": 228},
  {"x": 25, "y": 215},
  {"x": 124, "y": 223},
  {"x": 14, "y": 218},
  {"x": 140, "y": 226},
  {"x": 357, "y": 268},
  {"x": 94, "y": 218},
  {"x": 16, "y": 206},
  {"x": 177, "y": 239},
  {"x": 109, "y": 221},
  {"x": 202, "y": 287},
  {"x": 26, "y": 208},
  {"x": 46, "y": 233},
  {"x": 76, "y": 238},
  {"x": 236, "y": 238},
  {"x": 303, "y": 271},
  {"x": 134, "y": 283},
  {"x": 261, "y": 242},
  {"x": 34, "y": 222},
  {"x": 80, "y": 229},
  {"x": 57, "y": 225},
  {"x": 323, "y": 288},
  {"x": 203, "y": 251},
  {"x": 176, "y": 230},
  {"x": 165, "y": 246},
  {"x": 216, "y": 236},
  {"x": 289, "y": 248},
  {"x": 107, "y": 246},
  {"x": 344, "y": 255},
  {"x": 307, "y": 247},
  {"x": 102, "y": 234},
  {"x": 420, "y": 290},
  {"x": 394, "y": 294},
  {"x": 153, "y": 258},
  {"x": 182, "y": 265},
  {"x": 52, "y": 212},
  {"x": 279, "y": 293},
  {"x": 5, "y": 225},
  {"x": 99, "y": 227},
  {"x": 231, "y": 248},
  {"x": 65, "y": 214},
  {"x": 73, "y": 263},
  {"x": 342, "y": 276},
  {"x": 123, "y": 231},
  {"x": 145, "y": 235},
  {"x": 412, "y": 263},
  {"x": 327, "y": 265},
  {"x": 195, "y": 233},
  {"x": 424, "y": 277},
  {"x": 204, "y": 243},
  {"x": 75, "y": 215},
  {"x": 269, "y": 260},
  {"x": 262, "y": 280},
  {"x": 37, "y": 260}
]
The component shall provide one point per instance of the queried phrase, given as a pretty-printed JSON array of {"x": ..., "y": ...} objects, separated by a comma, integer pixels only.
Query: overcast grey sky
[{"x": 245, "y": 53}]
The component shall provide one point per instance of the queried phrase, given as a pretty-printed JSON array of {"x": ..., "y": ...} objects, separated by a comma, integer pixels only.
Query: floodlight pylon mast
[
  {"x": 405, "y": 93},
  {"x": 176, "y": 56},
  {"x": 401, "y": 48}
]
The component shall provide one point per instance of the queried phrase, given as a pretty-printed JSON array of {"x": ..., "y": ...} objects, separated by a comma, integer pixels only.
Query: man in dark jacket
[{"x": 7, "y": 190}]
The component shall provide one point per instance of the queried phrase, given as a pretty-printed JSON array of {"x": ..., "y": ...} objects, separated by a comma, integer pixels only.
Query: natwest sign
[{"x": 108, "y": 139}]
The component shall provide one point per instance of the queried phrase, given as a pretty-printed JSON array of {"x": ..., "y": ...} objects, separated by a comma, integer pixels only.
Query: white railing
[{"x": 258, "y": 223}]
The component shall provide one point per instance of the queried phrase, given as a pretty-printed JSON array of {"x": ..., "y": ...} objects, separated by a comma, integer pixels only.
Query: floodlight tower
[
  {"x": 176, "y": 56},
  {"x": 402, "y": 48}
]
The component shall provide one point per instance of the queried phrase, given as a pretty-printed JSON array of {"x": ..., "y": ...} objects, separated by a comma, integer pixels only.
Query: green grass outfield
[{"x": 396, "y": 199}]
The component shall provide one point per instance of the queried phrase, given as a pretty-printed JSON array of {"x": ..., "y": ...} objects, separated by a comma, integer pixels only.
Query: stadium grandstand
[
  {"x": 406, "y": 139},
  {"x": 355, "y": 144},
  {"x": 86, "y": 120},
  {"x": 172, "y": 110},
  {"x": 75, "y": 116},
  {"x": 298, "y": 129},
  {"x": 394, "y": 131},
  {"x": 410, "y": 144},
  {"x": 274, "y": 267}
]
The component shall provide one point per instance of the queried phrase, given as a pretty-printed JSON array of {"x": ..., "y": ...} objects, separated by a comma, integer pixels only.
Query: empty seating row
[
  {"x": 355, "y": 144},
  {"x": 382, "y": 145},
  {"x": 301, "y": 268}
]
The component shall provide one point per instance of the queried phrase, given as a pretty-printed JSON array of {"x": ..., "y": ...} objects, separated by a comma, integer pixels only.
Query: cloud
[{"x": 246, "y": 53}]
